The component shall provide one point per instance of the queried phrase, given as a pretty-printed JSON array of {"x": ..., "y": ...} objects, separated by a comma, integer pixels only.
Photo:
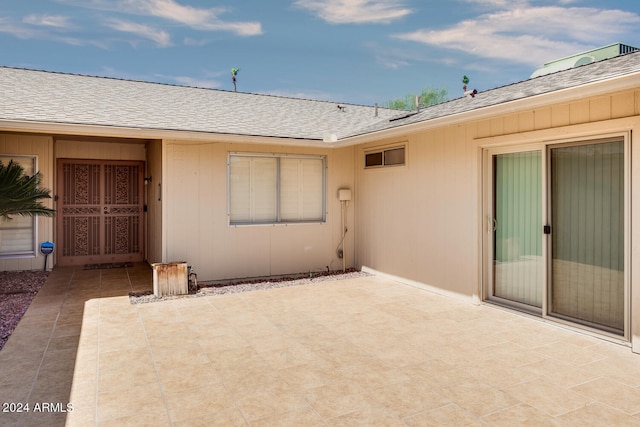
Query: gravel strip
[
  {"x": 237, "y": 287},
  {"x": 17, "y": 290}
]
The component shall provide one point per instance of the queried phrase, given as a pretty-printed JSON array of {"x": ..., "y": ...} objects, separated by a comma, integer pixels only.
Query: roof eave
[
  {"x": 145, "y": 133},
  {"x": 615, "y": 84}
]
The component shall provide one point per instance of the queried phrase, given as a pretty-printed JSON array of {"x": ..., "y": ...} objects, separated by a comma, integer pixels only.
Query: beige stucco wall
[
  {"x": 196, "y": 227},
  {"x": 42, "y": 147}
]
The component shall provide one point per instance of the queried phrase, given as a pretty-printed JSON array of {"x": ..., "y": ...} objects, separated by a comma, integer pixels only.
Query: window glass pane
[
  {"x": 517, "y": 263},
  {"x": 394, "y": 156},
  {"x": 587, "y": 187},
  {"x": 290, "y": 193},
  {"x": 373, "y": 159},
  {"x": 258, "y": 186},
  {"x": 301, "y": 189},
  {"x": 264, "y": 175},
  {"x": 17, "y": 235},
  {"x": 312, "y": 189},
  {"x": 27, "y": 163},
  {"x": 240, "y": 189}
]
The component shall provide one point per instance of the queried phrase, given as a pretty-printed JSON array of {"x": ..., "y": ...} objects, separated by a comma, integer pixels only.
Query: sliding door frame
[
  {"x": 545, "y": 146},
  {"x": 489, "y": 216}
]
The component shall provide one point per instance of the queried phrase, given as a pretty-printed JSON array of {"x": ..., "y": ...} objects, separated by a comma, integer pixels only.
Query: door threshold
[{"x": 559, "y": 323}]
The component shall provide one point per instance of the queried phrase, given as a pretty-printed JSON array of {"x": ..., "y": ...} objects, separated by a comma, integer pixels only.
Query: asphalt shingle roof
[
  {"x": 41, "y": 96},
  {"x": 574, "y": 77}
]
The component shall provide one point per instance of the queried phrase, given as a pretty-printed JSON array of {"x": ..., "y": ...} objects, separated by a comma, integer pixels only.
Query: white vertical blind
[
  {"x": 240, "y": 188},
  {"x": 518, "y": 267},
  {"x": 17, "y": 236},
  {"x": 264, "y": 189},
  {"x": 272, "y": 189},
  {"x": 253, "y": 188},
  {"x": 301, "y": 189}
]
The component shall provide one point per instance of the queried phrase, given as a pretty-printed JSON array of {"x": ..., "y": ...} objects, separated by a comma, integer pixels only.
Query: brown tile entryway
[{"x": 365, "y": 351}]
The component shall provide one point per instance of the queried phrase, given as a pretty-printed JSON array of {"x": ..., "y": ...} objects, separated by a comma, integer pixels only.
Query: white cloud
[
  {"x": 206, "y": 19},
  {"x": 497, "y": 3},
  {"x": 390, "y": 62},
  {"x": 203, "y": 19},
  {"x": 160, "y": 37},
  {"x": 20, "y": 31},
  {"x": 41, "y": 28},
  {"x": 56, "y": 21},
  {"x": 531, "y": 35},
  {"x": 356, "y": 11}
]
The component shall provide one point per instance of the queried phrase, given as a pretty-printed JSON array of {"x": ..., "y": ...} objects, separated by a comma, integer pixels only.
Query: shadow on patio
[
  {"x": 362, "y": 351},
  {"x": 38, "y": 362}
]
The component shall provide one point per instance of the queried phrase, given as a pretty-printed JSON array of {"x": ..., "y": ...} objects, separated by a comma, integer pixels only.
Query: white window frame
[
  {"x": 29, "y": 253},
  {"x": 278, "y": 215}
]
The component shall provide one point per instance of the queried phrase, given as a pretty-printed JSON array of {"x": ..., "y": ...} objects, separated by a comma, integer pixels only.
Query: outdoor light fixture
[{"x": 330, "y": 137}]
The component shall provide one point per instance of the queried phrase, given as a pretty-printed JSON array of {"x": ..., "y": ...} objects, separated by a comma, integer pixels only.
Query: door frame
[
  {"x": 487, "y": 215},
  {"x": 59, "y": 223}
]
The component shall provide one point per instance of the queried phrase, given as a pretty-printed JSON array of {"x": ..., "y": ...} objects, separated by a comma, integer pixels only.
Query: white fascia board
[
  {"x": 141, "y": 133},
  {"x": 577, "y": 93}
]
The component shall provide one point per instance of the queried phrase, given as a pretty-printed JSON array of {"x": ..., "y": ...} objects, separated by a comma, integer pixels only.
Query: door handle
[{"x": 495, "y": 225}]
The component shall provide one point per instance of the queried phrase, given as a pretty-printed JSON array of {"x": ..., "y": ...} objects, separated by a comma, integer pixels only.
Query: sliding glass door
[
  {"x": 587, "y": 242},
  {"x": 556, "y": 220},
  {"x": 517, "y": 248}
]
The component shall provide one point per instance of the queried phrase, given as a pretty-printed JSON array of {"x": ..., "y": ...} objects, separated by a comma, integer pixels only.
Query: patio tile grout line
[
  {"x": 235, "y": 404},
  {"x": 97, "y": 376},
  {"x": 155, "y": 366},
  {"x": 44, "y": 353}
]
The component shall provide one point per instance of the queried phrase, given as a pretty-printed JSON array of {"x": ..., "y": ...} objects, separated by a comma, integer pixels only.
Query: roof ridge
[
  {"x": 555, "y": 73},
  {"x": 121, "y": 79}
]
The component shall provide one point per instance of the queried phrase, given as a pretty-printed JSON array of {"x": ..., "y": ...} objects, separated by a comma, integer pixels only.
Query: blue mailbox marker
[{"x": 46, "y": 248}]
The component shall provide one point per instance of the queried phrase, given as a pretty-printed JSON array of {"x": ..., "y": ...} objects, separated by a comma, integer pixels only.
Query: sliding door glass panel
[
  {"x": 517, "y": 258},
  {"x": 587, "y": 253}
]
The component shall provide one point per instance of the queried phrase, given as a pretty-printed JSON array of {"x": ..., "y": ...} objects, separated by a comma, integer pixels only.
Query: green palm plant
[{"x": 21, "y": 194}]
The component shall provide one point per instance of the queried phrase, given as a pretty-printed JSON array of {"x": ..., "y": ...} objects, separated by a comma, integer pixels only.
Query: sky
[{"x": 350, "y": 51}]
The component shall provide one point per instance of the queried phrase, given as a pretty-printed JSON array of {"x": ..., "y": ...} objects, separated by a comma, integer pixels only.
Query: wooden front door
[{"x": 99, "y": 211}]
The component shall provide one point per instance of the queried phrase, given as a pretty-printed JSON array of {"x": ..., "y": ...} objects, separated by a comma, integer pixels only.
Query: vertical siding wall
[
  {"x": 417, "y": 221},
  {"x": 74, "y": 149},
  {"x": 42, "y": 147},
  {"x": 196, "y": 224},
  {"x": 423, "y": 222}
]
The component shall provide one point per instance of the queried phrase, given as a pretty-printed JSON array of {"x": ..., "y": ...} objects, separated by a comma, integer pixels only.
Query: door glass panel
[
  {"x": 587, "y": 211},
  {"x": 517, "y": 257}
]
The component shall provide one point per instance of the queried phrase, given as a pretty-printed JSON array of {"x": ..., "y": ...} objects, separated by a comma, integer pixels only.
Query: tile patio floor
[{"x": 366, "y": 351}]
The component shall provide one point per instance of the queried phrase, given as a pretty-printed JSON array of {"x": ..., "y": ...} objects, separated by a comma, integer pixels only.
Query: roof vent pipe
[
  {"x": 417, "y": 103},
  {"x": 375, "y": 110}
]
